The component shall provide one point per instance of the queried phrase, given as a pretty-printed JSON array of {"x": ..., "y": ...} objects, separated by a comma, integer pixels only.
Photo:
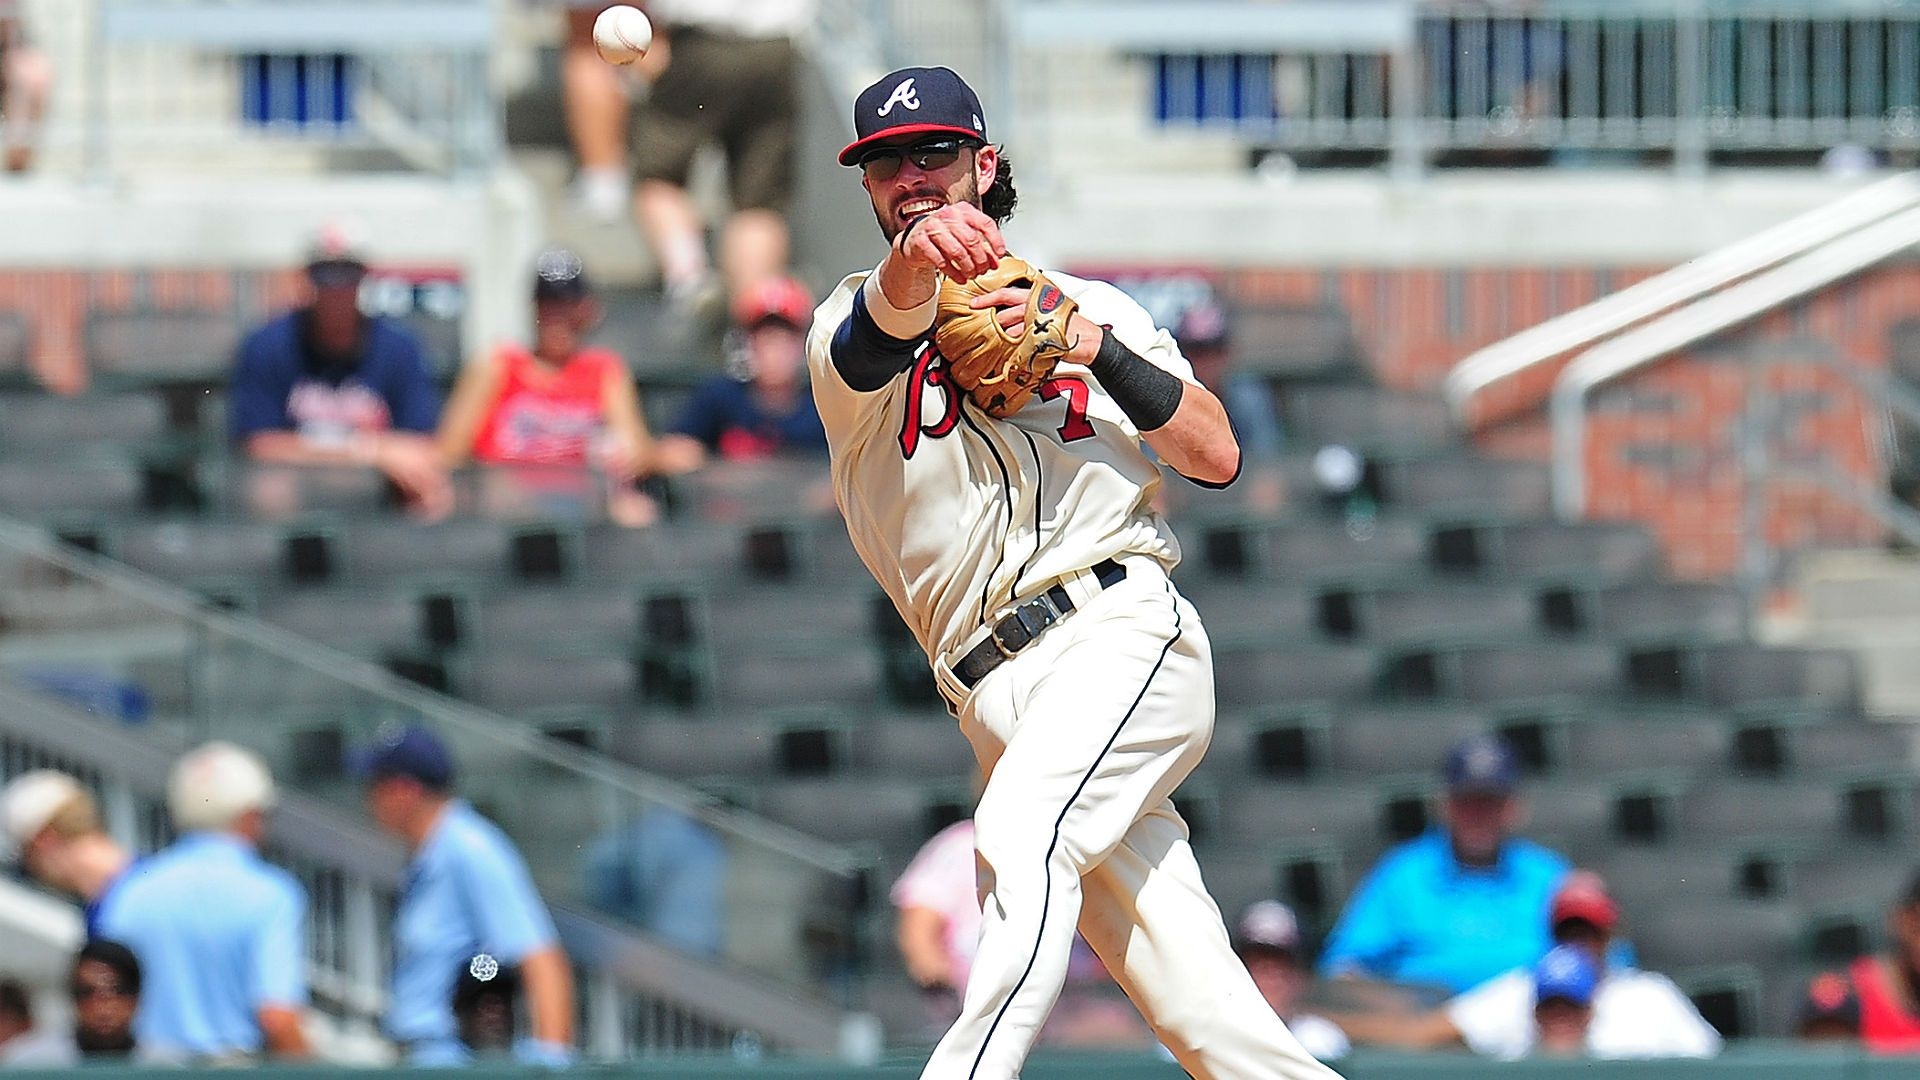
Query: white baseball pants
[{"x": 1083, "y": 738}]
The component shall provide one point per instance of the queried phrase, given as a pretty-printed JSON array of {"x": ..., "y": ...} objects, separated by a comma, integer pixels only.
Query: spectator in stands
[
  {"x": 937, "y": 902},
  {"x": 1564, "y": 982},
  {"x": 727, "y": 73},
  {"x": 1271, "y": 947},
  {"x": 665, "y": 873},
  {"x": 1206, "y": 342},
  {"x": 220, "y": 934},
  {"x": 771, "y": 411},
  {"x": 326, "y": 385},
  {"x": 1830, "y": 1012},
  {"x": 562, "y": 406},
  {"x": 1882, "y": 989},
  {"x": 54, "y": 825},
  {"x": 1463, "y": 903},
  {"x": 597, "y": 105},
  {"x": 1628, "y": 1013},
  {"x": 23, "y": 1043},
  {"x": 483, "y": 1004},
  {"x": 105, "y": 983},
  {"x": 440, "y": 931},
  {"x": 26, "y": 80}
]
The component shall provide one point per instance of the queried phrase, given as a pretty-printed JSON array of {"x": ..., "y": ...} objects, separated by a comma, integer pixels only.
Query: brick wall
[{"x": 1664, "y": 446}]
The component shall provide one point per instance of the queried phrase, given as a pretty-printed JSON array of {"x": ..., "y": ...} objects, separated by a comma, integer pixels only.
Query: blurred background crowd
[{"x": 427, "y": 635}]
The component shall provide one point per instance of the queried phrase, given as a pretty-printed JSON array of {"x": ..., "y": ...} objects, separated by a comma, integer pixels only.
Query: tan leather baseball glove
[{"x": 998, "y": 367}]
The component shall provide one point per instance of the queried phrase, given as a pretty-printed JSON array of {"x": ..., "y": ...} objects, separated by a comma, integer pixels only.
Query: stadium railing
[
  {"x": 791, "y": 904},
  {"x": 1679, "y": 82},
  {"x": 276, "y": 84}
]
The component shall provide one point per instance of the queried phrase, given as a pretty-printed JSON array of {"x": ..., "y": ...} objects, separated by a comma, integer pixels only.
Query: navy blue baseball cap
[
  {"x": 1482, "y": 764},
  {"x": 411, "y": 751},
  {"x": 1566, "y": 974},
  {"x": 915, "y": 101}
]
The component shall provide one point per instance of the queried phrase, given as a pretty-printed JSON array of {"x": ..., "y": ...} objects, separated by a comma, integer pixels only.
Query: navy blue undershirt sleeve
[{"x": 866, "y": 356}]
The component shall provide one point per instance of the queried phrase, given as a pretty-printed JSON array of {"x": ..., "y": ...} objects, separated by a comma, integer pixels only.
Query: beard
[
  {"x": 103, "y": 1043},
  {"x": 890, "y": 226}
]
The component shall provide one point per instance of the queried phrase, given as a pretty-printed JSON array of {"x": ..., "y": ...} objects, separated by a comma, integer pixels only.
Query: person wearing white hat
[
  {"x": 219, "y": 932},
  {"x": 53, "y": 827},
  {"x": 1269, "y": 944}
]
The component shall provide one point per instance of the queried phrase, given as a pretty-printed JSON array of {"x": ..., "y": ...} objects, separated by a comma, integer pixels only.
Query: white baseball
[{"x": 622, "y": 34}]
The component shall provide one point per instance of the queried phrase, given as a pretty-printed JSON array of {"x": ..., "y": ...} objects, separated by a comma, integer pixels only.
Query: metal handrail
[
  {"x": 1647, "y": 344},
  {"x": 1585, "y": 326}
]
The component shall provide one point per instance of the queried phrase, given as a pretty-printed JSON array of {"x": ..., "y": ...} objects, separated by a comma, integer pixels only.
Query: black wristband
[
  {"x": 1148, "y": 395},
  {"x": 900, "y": 241}
]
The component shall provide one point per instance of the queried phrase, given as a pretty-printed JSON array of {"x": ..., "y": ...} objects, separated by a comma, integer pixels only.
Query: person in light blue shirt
[
  {"x": 1463, "y": 903},
  {"x": 220, "y": 934},
  {"x": 468, "y": 905},
  {"x": 664, "y": 872}
]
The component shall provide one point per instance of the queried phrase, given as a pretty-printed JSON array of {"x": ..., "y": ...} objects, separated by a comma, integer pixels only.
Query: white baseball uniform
[{"x": 1083, "y": 735}]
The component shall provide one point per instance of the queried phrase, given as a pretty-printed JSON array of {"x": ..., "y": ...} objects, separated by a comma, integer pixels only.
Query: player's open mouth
[{"x": 913, "y": 208}]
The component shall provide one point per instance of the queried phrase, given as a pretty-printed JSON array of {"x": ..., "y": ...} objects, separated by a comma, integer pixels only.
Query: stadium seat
[
  {"x": 1735, "y": 810},
  {"x": 1871, "y": 877},
  {"x": 1441, "y": 486},
  {"x": 1674, "y": 936},
  {"x": 1414, "y": 613},
  {"x": 368, "y": 623},
  {"x": 688, "y": 749},
  {"x": 1251, "y": 610},
  {"x": 43, "y": 425},
  {"x": 929, "y": 746},
  {"x": 543, "y": 620},
  {"x": 161, "y": 346},
  {"x": 1669, "y": 609},
  {"x": 383, "y": 553},
  {"x": 822, "y": 675},
  {"x": 203, "y": 554},
  {"x": 1646, "y": 879},
  {"x": 1328, "y": 552},
  {"x": 71, "y": 491},
  {"x": 1516, "y": 673},
  {"x": 892, "y": 814},
  {"x": 1378, "y": 740},
  {"x": 1348, "y": 815},
  {"x": 518, "y": 684},
  {"x": 1363, "y": 417},
  {"x": 1614, "y": 746},
  {"x": 293, "y": 492},
  {"x": 15, "y": 339},
  {"x": 669, "y": 551},
  {"x": 1266, "y": 676},
  {"x": 1582, "y": 552},
  {"x": 1580, "y": 817},
  {"x": 769, "y": 616}
]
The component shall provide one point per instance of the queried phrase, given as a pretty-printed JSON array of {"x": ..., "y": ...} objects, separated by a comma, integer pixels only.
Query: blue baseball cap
[
  {"x": 915, "y": 101},
  {"x": 411, "y": 751},
  {"x": 1566, "y": 974},
  {"x": 1482, "y": 764}
]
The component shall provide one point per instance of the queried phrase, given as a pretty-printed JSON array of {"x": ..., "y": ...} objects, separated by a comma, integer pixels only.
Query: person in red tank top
[
  {"x": 1880, "y": 994},
  {"x": 559, "y": 407}
]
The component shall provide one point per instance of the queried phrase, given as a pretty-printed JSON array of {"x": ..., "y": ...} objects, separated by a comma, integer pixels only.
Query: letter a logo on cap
[{"x": 904, "y": 94}]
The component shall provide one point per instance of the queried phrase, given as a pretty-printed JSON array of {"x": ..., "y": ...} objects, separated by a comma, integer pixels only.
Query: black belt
[{"x": 1019, "y": 627}]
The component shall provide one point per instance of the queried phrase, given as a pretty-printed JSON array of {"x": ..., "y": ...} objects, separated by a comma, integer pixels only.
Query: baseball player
[{"x": 989, "y": 465}]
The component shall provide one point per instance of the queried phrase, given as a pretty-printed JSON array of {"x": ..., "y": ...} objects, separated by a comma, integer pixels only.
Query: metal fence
[
  {"x": 272, "y": 85},
  {"x": 785, "y": 907},
  {"x": 1680, "y": 82}
]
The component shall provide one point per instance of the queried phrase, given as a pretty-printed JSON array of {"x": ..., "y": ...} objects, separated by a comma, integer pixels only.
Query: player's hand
[
  {"x": 1012, "y": 302},
  {"x": 957, "y": 240}
]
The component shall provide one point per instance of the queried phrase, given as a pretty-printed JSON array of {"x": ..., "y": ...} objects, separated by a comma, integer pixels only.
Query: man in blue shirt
[
  {"x": 51, "y": 822},
  {"x": 1463, "y": 903},
  {"x": 468, "y": 905},
  {"x": 771, "y": 412},
  {"x": 220, "y": 934},
  {"x": 327, "y": 385}
]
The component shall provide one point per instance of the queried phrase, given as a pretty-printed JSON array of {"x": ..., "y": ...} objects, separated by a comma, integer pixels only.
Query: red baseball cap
[
  {"x": 1584, "y": 896},
  {"x": 780, "y": 298}
]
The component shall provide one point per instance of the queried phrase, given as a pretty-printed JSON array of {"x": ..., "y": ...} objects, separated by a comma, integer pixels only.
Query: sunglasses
[{"x": 931, "y": 155}]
